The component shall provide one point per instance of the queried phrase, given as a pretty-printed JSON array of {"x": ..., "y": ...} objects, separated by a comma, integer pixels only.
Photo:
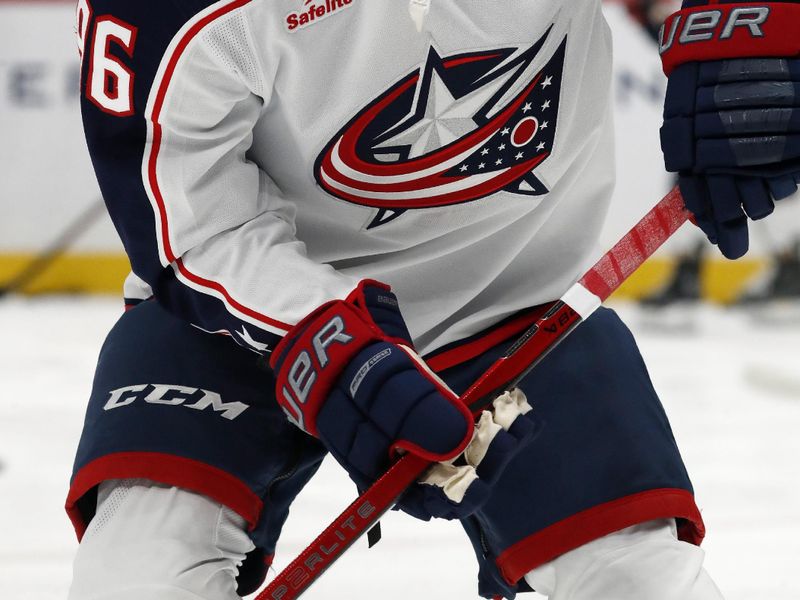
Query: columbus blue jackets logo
[{"x": 458, "y": 129}]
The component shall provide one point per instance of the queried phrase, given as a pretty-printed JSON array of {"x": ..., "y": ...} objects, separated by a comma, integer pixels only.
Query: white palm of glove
[{"x": 455, "y": 476}]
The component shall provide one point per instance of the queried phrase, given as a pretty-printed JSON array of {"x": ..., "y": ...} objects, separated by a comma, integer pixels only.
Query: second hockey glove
[
  {"x": 732, "y": 112},
  {"x": 348, "y": 375}
]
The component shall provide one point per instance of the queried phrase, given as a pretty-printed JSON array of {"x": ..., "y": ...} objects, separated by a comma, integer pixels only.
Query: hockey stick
[
  {"x": 56, "y": 249},
  {"x": 580, "y": 301}
]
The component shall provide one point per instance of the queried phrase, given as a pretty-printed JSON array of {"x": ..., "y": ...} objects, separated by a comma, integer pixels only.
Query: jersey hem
[
  {"x": 461, "y": 351},
  {"x": 586, "y": 526},
  {"x": 166, "y": 469}
]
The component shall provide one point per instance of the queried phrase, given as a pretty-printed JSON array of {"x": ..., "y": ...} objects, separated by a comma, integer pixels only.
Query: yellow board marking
[{"x": 722, "y": 280}]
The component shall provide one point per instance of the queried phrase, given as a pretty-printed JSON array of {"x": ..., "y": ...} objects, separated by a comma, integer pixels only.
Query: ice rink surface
[{"x": 730, "y": 382}]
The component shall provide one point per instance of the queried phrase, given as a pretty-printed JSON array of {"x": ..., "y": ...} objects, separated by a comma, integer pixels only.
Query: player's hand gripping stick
[
  {"x": 580, "y": 301},
  {"x": 732, "y": 111},
  {"x": 348, "y": 374}
]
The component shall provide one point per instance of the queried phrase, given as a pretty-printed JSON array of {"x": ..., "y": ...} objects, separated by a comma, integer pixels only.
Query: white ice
[{"x": 730, "y": 382}]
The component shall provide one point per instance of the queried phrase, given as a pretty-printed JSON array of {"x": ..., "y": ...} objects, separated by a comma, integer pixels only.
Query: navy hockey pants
[{"x": 179, "y": 406}]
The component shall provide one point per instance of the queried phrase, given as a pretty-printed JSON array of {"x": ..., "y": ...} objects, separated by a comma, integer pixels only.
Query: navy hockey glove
[
  {"x": 732, "y": 112},
  {"x": 348, "y": 375}
]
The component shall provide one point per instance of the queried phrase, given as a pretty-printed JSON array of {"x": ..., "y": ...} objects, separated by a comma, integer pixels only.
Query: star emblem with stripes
[{"x": 458, "y": 129}]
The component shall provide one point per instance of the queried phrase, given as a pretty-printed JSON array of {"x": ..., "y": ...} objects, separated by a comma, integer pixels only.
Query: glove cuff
[
  {"x": 720, "y": 31},
  {"x": 378, "y": 301}
]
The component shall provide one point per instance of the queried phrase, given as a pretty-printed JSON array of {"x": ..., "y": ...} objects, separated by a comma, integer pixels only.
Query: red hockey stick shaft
[{"x": 581, "y": 300}]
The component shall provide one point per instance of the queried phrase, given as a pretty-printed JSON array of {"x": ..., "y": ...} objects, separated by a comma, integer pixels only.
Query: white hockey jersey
[{"x": 261, "y": 157}]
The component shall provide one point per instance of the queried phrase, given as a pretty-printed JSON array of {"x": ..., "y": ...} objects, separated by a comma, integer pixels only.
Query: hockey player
[{"x": 287, "y": 176}]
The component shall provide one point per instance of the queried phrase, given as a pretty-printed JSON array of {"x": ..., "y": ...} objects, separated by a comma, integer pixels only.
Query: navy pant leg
[
  {"x": 176, "y": 405},
  {"x": 606, "y": 458}
]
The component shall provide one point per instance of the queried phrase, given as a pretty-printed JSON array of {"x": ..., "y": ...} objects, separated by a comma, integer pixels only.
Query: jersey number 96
[{"x": 109, "y": 82}]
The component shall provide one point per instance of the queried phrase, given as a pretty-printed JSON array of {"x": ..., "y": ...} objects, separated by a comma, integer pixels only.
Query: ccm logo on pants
[{"x": 174, "y": 395}]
